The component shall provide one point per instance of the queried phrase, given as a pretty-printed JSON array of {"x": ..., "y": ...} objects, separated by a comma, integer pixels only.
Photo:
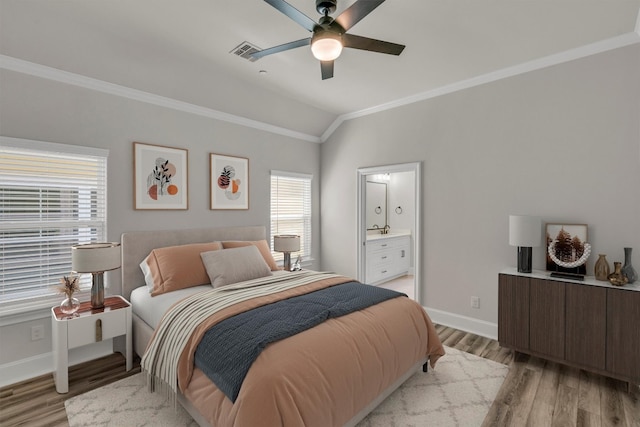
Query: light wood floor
[
  {"x": 535, "y": 392},
  {"x": 404, "y": 284}
]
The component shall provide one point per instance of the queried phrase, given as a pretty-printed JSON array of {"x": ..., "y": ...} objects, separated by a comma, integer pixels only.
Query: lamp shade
[
  {"x": 525, "y": 231},
  {"x": 286, "y": 243},
  {"x": 95, "y": 257}
]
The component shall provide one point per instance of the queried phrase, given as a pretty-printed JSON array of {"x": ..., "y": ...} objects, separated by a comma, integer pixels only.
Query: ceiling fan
[{"x": 329, "y": 34}]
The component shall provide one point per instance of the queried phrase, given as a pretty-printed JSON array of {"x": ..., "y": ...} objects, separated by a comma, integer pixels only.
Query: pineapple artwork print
[
  {"x": 229, "y": 183},
  {"x": 159, "y": 183}
]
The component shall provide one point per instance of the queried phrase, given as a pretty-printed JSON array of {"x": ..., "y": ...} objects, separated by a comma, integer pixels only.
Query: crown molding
[
  {"x": 536, "y": 64},
  {"x": 50, "y": 73}
]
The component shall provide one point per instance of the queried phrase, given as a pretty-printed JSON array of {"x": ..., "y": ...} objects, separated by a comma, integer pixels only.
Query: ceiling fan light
[{"x": 326, "y": 48}]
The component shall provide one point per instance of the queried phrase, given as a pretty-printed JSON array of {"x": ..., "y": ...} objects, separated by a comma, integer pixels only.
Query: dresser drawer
[
  {"x": 82, "y": 331},
  {"x": 383, "y": 245},
  {"x": 387, "y": 258},
  {"x": 380, "y": 257},
  {"x": 380, "y": 274}
]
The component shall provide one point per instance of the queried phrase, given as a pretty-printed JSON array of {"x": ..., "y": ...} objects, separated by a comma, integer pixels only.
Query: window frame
[
  {"x": 306, "y": 235},
  {"x": 24, "y": 303}
]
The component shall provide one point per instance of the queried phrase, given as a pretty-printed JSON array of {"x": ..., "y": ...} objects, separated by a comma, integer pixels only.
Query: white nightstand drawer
[
  {"x": 114, "y": 319},
  {"x": 82, "y": 331}
]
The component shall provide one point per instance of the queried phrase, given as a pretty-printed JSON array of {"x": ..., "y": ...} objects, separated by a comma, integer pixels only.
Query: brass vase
[
  {"x": 602, "y": 269},
  {"x": 617, "y": 278}
]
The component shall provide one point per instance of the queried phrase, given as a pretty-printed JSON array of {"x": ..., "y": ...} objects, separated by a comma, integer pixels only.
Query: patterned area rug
[{"x": 458, "y": 392}]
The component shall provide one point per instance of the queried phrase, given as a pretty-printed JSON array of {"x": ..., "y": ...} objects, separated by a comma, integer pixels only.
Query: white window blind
[
  {"x": 50, "y": 199},
  {"x": 291, "y": 209}
]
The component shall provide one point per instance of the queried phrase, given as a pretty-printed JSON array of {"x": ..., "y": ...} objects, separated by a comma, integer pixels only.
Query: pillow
[
  {"x": 262, "y": 245},
  {"x": 176, "y": 267},
  {"x": 234, "y": 265}
]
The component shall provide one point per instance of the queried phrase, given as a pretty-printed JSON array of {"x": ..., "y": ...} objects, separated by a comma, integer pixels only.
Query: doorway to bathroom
[{"x": 388, "y": 227}]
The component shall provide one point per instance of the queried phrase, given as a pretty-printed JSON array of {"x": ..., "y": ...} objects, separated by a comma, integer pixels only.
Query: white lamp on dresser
[{"x": 525, "y": 232}]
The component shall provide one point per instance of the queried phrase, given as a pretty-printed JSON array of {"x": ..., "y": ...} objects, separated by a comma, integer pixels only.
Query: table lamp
[
  {"x": 525, "y": 232},
  {"x": 96, "y": 258},
  {"x": 286, "y": 243}
]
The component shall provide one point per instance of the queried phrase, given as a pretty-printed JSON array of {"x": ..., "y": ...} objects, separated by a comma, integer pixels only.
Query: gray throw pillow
[{"x": 235, "y": 265}]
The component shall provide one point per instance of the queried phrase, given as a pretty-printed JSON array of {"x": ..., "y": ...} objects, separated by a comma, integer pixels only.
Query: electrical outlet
[
  {"x": 475, "y": 302},
  {"x": 37, "y": 332}
]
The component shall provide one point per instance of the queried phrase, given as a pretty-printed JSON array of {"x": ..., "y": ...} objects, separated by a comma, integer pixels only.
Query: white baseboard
[
  {"x": 31, "y": 367},
  {"x": 464, "y": 323}
]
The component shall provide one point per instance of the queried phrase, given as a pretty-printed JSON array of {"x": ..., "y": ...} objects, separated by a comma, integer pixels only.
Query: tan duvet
[{"x": 323, "y": 376}]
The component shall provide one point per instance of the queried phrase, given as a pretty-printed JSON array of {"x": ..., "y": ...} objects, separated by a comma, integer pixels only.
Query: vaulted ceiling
[{"x": 182, "y": 49}]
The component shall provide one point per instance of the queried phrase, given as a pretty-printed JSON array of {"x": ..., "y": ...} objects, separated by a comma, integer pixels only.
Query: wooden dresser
[{"x": 588, "y": 324}]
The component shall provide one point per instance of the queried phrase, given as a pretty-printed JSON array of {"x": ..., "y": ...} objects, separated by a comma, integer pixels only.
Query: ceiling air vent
[{"x": 245, "y": 50}]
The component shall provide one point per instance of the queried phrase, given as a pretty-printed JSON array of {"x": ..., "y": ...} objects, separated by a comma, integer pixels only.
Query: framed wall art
[
  {"x": 229, "y": 182},
  {"x": 567, "y": 249},
  {"x": 160, "y": 177}
]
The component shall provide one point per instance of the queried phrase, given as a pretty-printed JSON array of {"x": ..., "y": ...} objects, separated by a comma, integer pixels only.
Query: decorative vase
[
  {"x": 602, "y": 269},
  {"x": 70, "y": 306},
  {"x": 627, "y": 268},
  {"x": 617, "y": 278}
]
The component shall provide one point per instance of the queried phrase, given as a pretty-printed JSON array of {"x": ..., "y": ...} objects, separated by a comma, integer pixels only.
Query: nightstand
[{"x": 87, "y": 327}]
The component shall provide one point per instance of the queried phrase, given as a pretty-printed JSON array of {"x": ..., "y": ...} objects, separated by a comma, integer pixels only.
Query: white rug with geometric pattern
[{"x": 458, "y": 392}]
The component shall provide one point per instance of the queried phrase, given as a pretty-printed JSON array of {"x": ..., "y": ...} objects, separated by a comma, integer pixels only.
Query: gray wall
[
  {"x": 562, "y": 143},
  {"x": 401, "y": 194},
  {"x": 39, "y": 109}
]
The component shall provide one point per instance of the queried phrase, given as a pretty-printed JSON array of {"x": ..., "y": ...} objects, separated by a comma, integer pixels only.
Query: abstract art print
[
  {"x": 160, "y": 177},
  {"x": 229, "y": 182}
]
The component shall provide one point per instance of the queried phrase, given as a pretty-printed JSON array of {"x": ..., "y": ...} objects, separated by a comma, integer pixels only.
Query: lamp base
[
  {"x": 97, "y": 290},
  {"x": 287, "y": 261},
  {"x": 524, "y": 259}
]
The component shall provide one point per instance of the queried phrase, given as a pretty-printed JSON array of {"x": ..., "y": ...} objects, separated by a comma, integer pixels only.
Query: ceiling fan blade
[
  {"x": 326, "y": 67},
  {"x": 354, "y": 13},
  {"x": 293, "y": 13},
  {"x": 281, "y": 48},
  {"x": 373, "y": 45}
]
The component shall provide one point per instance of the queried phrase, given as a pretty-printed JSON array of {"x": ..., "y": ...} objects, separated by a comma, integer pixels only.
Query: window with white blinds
[
  {"x": 52, "y": 196},
  {"x": 291, "y": 210}
]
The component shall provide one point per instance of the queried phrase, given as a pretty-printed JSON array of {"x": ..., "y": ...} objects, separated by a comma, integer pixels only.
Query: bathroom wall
[{"x": 401, "y": 195}]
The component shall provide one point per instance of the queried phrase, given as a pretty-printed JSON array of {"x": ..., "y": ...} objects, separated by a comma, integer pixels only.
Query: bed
[{"x": 334, "y": 373}]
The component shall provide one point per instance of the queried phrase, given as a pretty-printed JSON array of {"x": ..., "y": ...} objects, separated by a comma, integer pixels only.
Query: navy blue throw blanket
[{"x": 228, "y": 349}]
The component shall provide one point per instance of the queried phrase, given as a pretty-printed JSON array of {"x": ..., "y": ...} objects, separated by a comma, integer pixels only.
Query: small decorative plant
[{"x": 68, "y": 286}]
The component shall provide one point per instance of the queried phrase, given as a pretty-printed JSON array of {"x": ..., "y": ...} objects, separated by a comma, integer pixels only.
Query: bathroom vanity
[{"x": 388, "y": 257}]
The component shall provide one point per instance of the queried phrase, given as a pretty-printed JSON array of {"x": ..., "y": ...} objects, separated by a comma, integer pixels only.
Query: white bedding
[{"x": 151, "y": 309}]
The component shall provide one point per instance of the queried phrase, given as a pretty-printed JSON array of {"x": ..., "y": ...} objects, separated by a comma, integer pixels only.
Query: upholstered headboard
[{"x": 136, "y": 245}]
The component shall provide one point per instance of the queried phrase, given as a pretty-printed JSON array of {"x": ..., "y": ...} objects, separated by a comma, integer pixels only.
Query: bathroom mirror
[{"x": 376, "y": 205}]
